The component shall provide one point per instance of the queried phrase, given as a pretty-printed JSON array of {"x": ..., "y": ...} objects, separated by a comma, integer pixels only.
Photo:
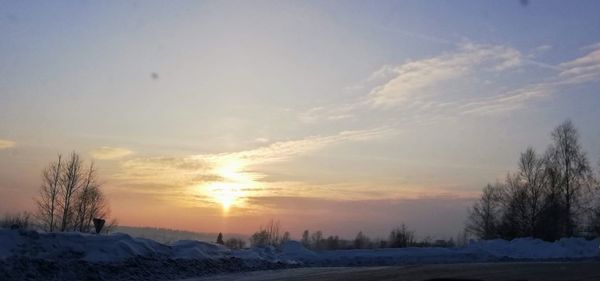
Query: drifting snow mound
[
  {"x": 76, "y": 256},
  {"x": 87, "y": 247},
  {"x": 295, "y": 252},
  {"x": 120, "y": 247},
  {"x": 192, "y": 249},
  {"x": 29, "y": 255}
]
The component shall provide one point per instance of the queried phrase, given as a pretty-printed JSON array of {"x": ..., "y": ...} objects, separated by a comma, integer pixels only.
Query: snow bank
[
  {"x": 87, "y": 247},
  {"x": 480, "y": 251},
  {"x": 122, "y": 257},
  {"x": 120, "y": 247},
  {"x": 528, "y": 248},
  {"x": 192, "y": 249}
]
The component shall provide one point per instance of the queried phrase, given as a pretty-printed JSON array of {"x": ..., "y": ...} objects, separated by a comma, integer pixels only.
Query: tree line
[
  {"x": 553, "y": 194},
  {"x": 400, "y": 237}
]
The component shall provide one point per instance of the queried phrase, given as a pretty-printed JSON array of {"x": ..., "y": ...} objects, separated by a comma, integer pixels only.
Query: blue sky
[{"x": 235, "y": 112}]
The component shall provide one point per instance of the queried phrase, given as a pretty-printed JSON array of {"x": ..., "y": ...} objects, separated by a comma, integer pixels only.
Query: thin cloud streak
[
  {"x": 401, "y": 86},
  {"x": 108, "y": 153},
  {"x": 411, "y": 85},
  {"x": 578, "y": 71},
  {"x": 6, "y": 144},
  {"x": 413, "y": 77},
  {"x": 179, "y": 172}
]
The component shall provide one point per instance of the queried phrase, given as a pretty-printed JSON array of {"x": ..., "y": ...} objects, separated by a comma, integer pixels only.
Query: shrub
[{"x": 16, "y": 221}]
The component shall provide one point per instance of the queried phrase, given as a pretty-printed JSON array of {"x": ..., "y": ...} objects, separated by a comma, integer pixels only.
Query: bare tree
[
  {"x": 235, "y": 243},
  {"x": 47, "y": 203},
  {"x": 70, "y": 184},
  {"x": 305, "y": 238},
  {"x": 317, "y": 241},
  {"x": 90, "y": 202},
  {"x": 549, "y": 197},
  {"x": 401, "y": 237},
  {"x": 70, "y": 196},
  {"x": 552, "y": 216},
  {"x": 16, "y": 221},
  {"x": 273, "y": 228},
  {"x": 594, "y": 216},
  {"x": 332, "y": 242},
  {"x": 515, "y": 208},
  {"x": 572, "y": 169},
  {"x": 267, "y": 236},
  {"x": 286, "y": 237},
  {"x": 361, "y": 241},
  {"x": 259, "y": 239},
  {"x": 533, "y": 179},
  {"x": 484, "y": 216}
]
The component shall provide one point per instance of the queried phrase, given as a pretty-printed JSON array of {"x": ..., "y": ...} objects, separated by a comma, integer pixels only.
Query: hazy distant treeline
[
  {"x": 400, "y": 237},
  {"x": 551, "y": 195}
]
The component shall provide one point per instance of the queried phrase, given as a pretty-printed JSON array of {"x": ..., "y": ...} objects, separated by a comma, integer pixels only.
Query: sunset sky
[{"x": 332, "y": 115}]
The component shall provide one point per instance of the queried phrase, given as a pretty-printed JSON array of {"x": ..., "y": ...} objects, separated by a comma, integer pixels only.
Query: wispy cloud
[
  {"x": 577, "y": 71},
  {"x": 261, "y": 140},
  {"x": 582, "y": 69},
  {"x": 510, "y": 100},
  {"x": 542, "y": 48},
  {"x": 417, "y": 85},
  {"x": 413, "y": 77},
  {"x": 403, "y": 85},
  {"x": 198, "y": 169},
  {"x": 107, "y": 153},
  {"x": 283, "y": 150},
  {"x": 338, "y": 112},
  {"x": 6, "y": 144}
]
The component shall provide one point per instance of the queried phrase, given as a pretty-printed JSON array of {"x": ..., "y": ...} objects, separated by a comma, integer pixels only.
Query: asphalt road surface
[{"x": 546, "y": 271}]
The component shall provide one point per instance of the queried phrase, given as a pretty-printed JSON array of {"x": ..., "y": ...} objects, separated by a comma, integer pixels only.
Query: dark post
[{"x": 98, "y": 224}]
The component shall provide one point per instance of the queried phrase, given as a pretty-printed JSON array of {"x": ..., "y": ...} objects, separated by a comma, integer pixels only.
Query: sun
[
  {"x": 227, "y": 194},
  {"x": 230, "y": 189}
]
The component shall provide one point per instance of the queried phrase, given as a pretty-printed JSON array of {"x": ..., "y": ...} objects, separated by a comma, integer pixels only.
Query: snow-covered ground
[{"x": 69, "y": 256}]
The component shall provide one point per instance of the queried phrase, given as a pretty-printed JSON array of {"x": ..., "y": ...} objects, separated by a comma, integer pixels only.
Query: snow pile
[
  {"x": 481, "y": 251},
  {"x": 388, "y": 256},
  {"x": 120, "y": 247},
  {"x": 193, "y": 249},
  {"x": 77, "y": 256},
  {"x": 95, "y": 248},
  {"x": 29, "y": 255}
]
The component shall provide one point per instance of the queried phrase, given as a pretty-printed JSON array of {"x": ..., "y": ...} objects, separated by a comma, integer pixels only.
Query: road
[{"x": 547, "y": 271}]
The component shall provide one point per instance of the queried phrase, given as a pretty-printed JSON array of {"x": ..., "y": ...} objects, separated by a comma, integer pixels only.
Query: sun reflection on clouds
[
  {"x": 228, "y": 179},
  {"x": 231, "y": 189},
  {"x": 227, "y": 194}
]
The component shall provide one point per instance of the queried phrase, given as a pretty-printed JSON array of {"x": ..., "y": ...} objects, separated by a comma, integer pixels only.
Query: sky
[{"x": 342, "y": 116}]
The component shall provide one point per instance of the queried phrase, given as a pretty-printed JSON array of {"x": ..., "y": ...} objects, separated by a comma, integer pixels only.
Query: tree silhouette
[{"x": 70, "y": 197}]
